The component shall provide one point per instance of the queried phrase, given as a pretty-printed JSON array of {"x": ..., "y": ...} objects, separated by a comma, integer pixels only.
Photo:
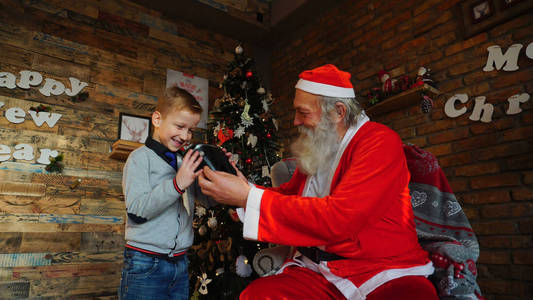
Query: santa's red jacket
[{"x": 366, "y": 217}]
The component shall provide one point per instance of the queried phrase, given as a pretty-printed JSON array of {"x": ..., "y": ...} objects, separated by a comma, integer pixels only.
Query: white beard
[{"x": 317, "y": 147}]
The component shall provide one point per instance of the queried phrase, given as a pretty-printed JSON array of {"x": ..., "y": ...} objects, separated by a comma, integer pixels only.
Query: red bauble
[
  {"x": 269, "y": 135},
  {"x": 248, "y": 160},
  {"x": 249, "y": 74}
]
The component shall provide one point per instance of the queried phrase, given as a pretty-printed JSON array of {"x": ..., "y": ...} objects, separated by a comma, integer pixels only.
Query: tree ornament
[
  {"x": 224, "y": 134},
  {"x": 268, "y": 135},
  {"x": 239, "y": 50},
  {"x": 248, "y": 160},
  {"x": 239, "y": 132},
  {"x": 234, "y": 157},
  {"x": 212, "y": 221},
  {"x": 252, "y": 140},
  {"x": 216, "y": 129},
  {"x": 200, "y": 211},
  {"x": 249, "y": 74},
  {"x": 246, "y": 120},
  {"x": 204, "y": 281},
  {"x": 233, "y": 214},
  {"x": 243, "y": 267},
  {"x": 265, "y": 105},
  {"x": 202, "y": 230},
  {"x": 261, "y": 90},
  {"x": 427, "y": 104}
]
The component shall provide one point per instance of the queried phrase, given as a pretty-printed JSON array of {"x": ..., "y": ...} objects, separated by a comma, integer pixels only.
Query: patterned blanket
[{"x": 442, "y": 227}]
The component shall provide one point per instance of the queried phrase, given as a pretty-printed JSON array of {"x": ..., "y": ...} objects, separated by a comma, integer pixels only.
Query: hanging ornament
[
  {"x": 265, "y": 172},
  {"x": 239, "y": 132},
  {"x": 249, "y": 74},
  {"x": 265, "y": 105},
  {"x": 426, "y": 104},
  {"x": 239, "y": 50},
  {"x": 246, "y": 120},
  {"x": 234, "y": 158},
  {"x": 219, "y": 271},
  {"x": 212, "y": 221},
  {"x": 224, "y": 134},
  {"x": 268, "y": 135},
  {"x": 275, "y": 122},
  {"x": 242, "y": 266},
  {"x": 248, "y": 160},
  {"x": 225, "y": 76},
  {"x": 252, "y": 140},
  {"x": 204, "y": 281},
  {"x": 216, "y": 129},
  {"x": 200, "y": 211},
  {"x": 261, "y": 90},
  {"x": 202, "y": 230},
  {"x": 233, "y": 214}
]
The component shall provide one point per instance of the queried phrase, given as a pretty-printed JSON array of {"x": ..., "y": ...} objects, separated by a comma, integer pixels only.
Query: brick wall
[
  {"x": 62, "y": 242},
  {"x": 489, "y": 165}
]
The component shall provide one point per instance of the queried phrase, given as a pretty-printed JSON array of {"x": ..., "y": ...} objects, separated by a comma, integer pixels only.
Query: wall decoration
[
  {"x": 51, "y": 86},
  {"x": 481, "y": 10},
  {"x": 480, "y": 15},
  {"x": 134, "y": 128},
  {"x": 482, "y": 111},
  {"x": 197, "y": 86}
]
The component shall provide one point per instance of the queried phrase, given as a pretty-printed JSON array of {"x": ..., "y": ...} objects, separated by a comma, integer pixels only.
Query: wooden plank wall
[{"x": 57, "y": 240}]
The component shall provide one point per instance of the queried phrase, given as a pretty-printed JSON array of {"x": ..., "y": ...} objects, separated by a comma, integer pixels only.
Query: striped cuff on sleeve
[{"x": 177, "y": 187}]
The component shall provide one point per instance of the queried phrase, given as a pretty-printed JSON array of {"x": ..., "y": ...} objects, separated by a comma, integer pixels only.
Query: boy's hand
[{"x": 186, "y": 174}]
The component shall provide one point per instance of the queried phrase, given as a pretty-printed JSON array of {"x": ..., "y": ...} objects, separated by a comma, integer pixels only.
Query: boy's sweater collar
[{"x": 162, "y": 151}]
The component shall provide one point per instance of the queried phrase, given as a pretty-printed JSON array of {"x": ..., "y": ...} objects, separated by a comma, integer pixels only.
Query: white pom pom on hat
[{"x": 326, "y": 80}]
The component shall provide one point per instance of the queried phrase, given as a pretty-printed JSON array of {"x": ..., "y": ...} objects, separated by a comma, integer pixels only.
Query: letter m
[{"x": 498, "y": 59}]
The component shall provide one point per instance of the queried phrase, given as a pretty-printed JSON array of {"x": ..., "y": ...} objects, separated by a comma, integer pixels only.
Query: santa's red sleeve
[{"x": 371, "y": 175}]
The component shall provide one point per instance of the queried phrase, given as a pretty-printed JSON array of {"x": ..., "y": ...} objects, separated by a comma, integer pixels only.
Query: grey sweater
[{"x": 157, "y": 220}]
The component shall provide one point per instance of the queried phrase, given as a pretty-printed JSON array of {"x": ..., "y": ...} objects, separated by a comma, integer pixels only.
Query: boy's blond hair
[{"x": 176, "y": 98}]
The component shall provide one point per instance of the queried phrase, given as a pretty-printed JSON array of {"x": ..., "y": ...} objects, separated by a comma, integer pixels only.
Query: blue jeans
[{"x": 145, "y": 277}]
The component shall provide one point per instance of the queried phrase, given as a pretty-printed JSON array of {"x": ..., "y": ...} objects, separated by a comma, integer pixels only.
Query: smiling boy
[{"x": 159, "y": 224}]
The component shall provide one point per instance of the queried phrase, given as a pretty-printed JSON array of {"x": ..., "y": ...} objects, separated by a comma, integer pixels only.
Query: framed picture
[
  {"x": 481, "y": 10},
  {"x": 509, "y": 3},
  {"x": 481, "y": 15},
  {"x": 134, "y": 128}
]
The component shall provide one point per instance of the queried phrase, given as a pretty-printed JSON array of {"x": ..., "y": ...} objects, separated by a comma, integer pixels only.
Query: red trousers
[{"x": 298, "y": 283}]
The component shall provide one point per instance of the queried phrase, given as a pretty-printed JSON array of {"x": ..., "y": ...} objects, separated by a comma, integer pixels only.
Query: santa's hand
[{"x": 225, "y": 188}]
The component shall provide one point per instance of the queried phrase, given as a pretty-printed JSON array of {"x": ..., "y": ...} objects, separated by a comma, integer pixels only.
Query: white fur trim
[
  {"x": 324, "y": 89},
  {"x": 388, "y": 275},
  {"x": 253, "y": 210}
]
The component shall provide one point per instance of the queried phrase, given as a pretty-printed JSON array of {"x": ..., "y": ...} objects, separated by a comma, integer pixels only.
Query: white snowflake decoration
[
  {"x": 200, "y": 211},
  {"x": 239, "y": 132}
]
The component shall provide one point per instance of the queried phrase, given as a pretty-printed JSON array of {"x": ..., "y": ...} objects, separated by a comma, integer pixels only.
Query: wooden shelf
[
  {"x": 402, "y": 100},
  {"x": 121, "y": 149}
]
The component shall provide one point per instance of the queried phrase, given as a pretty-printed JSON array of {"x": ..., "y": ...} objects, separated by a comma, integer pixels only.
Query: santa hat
[{"x": 327, "y": 81}]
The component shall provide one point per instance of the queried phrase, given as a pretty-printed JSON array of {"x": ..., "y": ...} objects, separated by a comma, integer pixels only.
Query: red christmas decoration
[
  {"x": 249, "y": 74},
  {"x": 269, "y": 135},
  {"x": 248, "y": 160}
]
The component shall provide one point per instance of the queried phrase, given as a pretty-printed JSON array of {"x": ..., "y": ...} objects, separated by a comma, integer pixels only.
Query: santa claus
[{"x": 347, "y": 207}]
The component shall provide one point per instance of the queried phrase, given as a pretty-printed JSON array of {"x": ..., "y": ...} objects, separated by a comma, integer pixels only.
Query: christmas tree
[{"x": 241, "y": 121}]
